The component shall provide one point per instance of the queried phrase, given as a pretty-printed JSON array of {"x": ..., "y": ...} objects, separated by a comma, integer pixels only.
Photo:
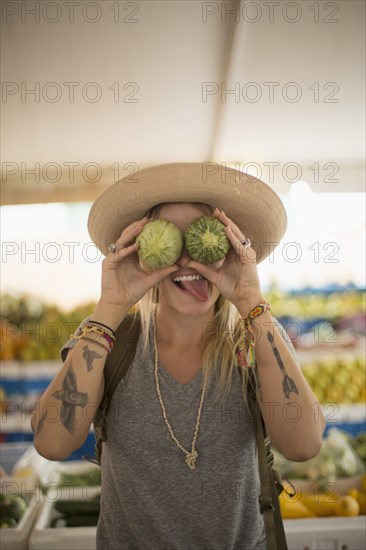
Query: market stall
[{"x": 268, "y": 88}]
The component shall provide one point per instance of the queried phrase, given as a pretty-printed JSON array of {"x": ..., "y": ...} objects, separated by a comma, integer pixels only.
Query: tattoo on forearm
[
  {"x": 70, "y": 398},
  {"x": 288, "y": 385},
  {"x": 89, "y": 356}
]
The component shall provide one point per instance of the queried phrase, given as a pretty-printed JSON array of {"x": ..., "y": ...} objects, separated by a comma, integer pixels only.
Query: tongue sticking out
[{"x": 198, "y": 289}]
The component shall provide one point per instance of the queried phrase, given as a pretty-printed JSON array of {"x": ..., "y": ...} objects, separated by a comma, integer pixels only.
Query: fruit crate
[
  {"x": 44, "y": 537},
  {"x": 326, "y": 533},
  {"x": 71, "y": 475},
  {"x": 16, "y": 538}
]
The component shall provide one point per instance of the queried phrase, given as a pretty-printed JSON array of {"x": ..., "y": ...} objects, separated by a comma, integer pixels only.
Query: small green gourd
[
  {"x": 206, "y": 240},
  {"x": 160, "y": 244}
]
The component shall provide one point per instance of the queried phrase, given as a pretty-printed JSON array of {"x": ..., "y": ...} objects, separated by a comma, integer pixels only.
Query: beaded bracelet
[
  {"x": 246, "y": 354},
  {"x": 101, "y": 329},
  {"x": 92, "y": 322},
  {"x": 88, "y": 328}
]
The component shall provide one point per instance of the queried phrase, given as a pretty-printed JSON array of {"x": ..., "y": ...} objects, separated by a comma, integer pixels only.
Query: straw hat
[{"x": 248, "y": 201}]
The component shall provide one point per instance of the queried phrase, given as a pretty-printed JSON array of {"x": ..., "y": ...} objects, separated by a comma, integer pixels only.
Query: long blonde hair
[{"x": 222, "y": 336}]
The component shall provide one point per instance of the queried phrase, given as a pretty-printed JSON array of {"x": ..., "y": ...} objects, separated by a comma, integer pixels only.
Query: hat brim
[{"x": 248, "y": 201}]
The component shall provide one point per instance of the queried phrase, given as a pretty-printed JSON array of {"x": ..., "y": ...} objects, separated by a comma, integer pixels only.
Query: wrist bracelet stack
[
  {"x": 94, "y": 327},
  {"x": 246, "y": 353}
]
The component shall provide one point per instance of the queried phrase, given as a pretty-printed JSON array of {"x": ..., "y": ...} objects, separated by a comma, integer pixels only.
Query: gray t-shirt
[{"x": 150, "y": 498}]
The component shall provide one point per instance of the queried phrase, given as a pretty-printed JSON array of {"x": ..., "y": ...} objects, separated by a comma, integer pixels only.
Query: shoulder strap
[
  {"x": 269, "y": 480},
  {"x": 116, "y": 367}
]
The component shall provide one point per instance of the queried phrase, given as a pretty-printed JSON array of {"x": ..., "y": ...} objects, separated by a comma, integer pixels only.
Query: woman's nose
[{"x": 184, "y": 258}]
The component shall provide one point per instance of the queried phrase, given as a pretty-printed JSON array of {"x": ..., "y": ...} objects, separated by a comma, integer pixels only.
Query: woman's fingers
[
  {"x": 125, "y": 245},
  {"x": 229, "y": 223},
  {"x": 130, "y": 233},
  {"x": 118, "y": 256},
  {"x": 236, "y": 237}
]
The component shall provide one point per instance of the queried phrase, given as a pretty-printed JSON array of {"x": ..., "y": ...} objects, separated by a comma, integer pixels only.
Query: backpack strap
[
  {"x": 116, "y": 367},
  {"x": 269, "y": 479}
]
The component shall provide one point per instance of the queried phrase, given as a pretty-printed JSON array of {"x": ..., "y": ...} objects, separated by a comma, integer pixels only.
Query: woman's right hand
[{"x": 124, "y": 282}]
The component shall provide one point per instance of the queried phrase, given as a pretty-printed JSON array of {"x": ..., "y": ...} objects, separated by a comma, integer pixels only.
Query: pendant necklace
[{"x": 191, "y": 456}]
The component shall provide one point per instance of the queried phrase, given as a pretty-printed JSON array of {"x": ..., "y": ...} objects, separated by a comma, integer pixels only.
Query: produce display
[
  {"x": 76, "y": 513},
  {"x": 206, "y": 240},
  {"x": 12, "y": 508},
  {"x": 327, "y": 504},
  {"x": 342, "y": 307},
  {"x": 320, "y": 495},
  {"x": 337, "y": 379},
  {"x": 32, "y": 330},
  {"x": 89, "y": 478},
  {"x": 160, "y": 244},
  {"x": 336, "y": 459}
]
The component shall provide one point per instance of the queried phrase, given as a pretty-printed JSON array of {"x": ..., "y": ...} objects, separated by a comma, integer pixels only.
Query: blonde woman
[{"x": 179, "y": 465}]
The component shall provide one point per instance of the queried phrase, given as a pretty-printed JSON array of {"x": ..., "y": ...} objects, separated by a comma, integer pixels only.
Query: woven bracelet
[{"x": 246, "y": 353}]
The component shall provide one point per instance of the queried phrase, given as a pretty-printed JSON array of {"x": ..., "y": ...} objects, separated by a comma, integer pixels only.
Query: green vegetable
[
  {"x": 7, "y": 522},
  {"x": 12, "y": 506},
  {"x": 89, "y": 520},
  {"x": 206, "y": 240},
  {"x": 89, "y": 478},
  {"x": 78, "y": 507},
  {"x": 161, "y": 244}
]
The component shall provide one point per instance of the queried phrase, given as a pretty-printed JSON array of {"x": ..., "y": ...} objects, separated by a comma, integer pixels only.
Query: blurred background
[{"x": 92, "y": 92}]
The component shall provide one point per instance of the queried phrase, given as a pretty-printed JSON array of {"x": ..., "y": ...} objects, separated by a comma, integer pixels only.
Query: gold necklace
[{"x": 192, "y": 455}]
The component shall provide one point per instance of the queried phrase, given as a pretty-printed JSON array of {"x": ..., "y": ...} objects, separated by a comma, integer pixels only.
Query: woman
[{"x": 179, "y": 465}]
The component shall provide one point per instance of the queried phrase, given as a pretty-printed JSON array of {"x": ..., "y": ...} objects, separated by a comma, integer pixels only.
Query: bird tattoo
[
  {"x": 89, "y": 357},
  {"x": 70, "y": 398}
]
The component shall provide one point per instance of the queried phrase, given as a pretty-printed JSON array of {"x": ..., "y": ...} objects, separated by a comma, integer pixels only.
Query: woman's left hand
[{"x": 236, "y": 277}]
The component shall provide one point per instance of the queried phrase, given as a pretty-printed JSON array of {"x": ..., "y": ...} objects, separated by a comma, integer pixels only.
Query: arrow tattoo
[{"x": 288, "y": 384}]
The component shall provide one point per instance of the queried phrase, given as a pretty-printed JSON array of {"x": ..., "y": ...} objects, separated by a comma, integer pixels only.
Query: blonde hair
[{"x": 222, "y": 336}]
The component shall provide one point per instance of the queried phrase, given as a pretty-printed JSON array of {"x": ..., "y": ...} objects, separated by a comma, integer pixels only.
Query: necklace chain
[{"x": 192, "y": 455}]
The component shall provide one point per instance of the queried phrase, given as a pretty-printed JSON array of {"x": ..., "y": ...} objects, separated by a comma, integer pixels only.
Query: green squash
[
  {"x": 12, "y": 506},
  {"x": 6, "y": 522},
  {"x": 161, "y": 244},
  {"x": 206, "y": 240}
]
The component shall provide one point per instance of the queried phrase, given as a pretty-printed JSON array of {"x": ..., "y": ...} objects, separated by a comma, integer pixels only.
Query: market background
[{"x": 92, "y": 92}]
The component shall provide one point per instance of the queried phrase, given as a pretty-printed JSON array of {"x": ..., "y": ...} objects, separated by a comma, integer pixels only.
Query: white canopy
[{"x": 92, "y": 91}]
